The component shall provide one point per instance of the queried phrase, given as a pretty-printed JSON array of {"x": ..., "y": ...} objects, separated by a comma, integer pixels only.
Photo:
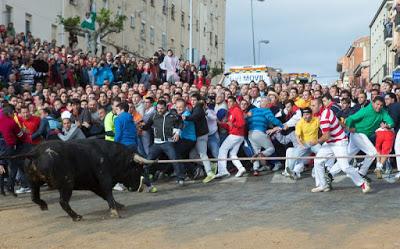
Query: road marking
[
  {"x": 234, "y": 180},
  {"x": 278, "y": 178}
]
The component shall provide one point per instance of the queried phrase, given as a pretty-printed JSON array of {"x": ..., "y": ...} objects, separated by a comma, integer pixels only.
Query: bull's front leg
[
  {"x": 65, "y": 196},
  {"x": 112, "y": 204},
  {"x": 35, "y": 195}
]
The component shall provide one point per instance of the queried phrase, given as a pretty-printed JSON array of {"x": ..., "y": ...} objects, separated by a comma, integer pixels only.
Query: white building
[
  {"x": 381, "y": 55},
  {"x": 37, "y": 16}
]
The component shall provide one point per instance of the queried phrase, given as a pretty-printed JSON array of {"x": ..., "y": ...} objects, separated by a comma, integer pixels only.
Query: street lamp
[
  {"x": 259, "y": 49},
  {"x": 252, "y": 31}
]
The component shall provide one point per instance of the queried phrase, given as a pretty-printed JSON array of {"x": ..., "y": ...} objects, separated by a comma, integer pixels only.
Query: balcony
[
  {"x": 388, "y": 33},
  {"x": 389, "y": 4},
  {"x": 387, "y": 75}
]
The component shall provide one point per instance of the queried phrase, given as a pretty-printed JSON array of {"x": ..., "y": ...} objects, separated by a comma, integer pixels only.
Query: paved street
[{"x": 265, "y": 212}]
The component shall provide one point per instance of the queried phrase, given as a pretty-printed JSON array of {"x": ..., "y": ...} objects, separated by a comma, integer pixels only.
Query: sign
[
  {"x": 396, "y": 77},
  {"x": 246, "y": 74}
]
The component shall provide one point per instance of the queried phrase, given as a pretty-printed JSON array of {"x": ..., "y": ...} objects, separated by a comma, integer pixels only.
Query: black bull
[{"x": 94, "y": 165}]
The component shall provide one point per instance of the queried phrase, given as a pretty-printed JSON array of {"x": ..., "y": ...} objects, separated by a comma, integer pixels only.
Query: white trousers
[
  {"x": 397, "y": 149},
  {"x": 201, "y": 148},
  {"x": 359, "y": 142},
  {"x": 258, "y": 141},
  {"x": 334, "y": 149},
  {"x": 231, "y": 144},
  {"x": 297, "y": 165}
]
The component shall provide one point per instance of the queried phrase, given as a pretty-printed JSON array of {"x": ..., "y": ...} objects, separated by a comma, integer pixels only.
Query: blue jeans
[
  {"x": 155, "y": 151},
  {"x": 17, "y": 165},
  {"x": 213, "y": 144}
]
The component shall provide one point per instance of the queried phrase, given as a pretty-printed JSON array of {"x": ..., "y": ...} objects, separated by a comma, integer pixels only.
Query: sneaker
[
  {"x": 378, "y": 173},
  {"x": 285, "y": 173},
  {"x": 151, "y": 189},
  {"x": 22, "y": 190},
  {"x": 198, "y": 173},
  {"x": 209, "y": 178},
  {"x": 240, "y": 172},
  {"x": 291, "y": 173},
  {"x": 119, "y": 187},
  {"x": 263, "y": 168},
  {"x": 141, "y": 185},
  {"x": 366, "y": 187},
  {"x": 180, "y": 183},
  {"x": 222, "y": 174},
  {"x": 320, "y": 189},
  {"x": 256, "y": 173},
  {"x": 329, "y": 179},
  {"x": 277, "y": 167}
]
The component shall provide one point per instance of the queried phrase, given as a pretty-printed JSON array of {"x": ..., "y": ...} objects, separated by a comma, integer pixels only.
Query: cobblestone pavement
[{"x": 250, "y": 212}]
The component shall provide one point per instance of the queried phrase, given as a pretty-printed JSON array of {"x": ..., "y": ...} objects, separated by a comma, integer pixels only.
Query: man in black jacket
[
  {"x": 198, "y": 116},
  {"x": 166, "y": 129}
]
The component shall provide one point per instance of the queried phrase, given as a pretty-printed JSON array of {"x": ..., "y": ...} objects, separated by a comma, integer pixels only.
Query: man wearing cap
[
  {"x": 307, "y": 137},
  {"x": 69, "y": 131}
]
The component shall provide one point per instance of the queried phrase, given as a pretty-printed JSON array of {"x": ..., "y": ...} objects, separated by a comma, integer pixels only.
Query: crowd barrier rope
[{"x": 198, "y": 160}]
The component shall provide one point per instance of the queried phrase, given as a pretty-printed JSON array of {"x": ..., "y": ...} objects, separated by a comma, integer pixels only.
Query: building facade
[
  {"x": 354, "y": 67},
  {"x": 381, "y": 41},
  {"x": 152, "y": 24},
  {"x": 32, "y": 16}
]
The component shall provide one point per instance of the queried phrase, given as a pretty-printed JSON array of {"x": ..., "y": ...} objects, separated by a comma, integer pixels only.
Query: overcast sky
[{"x": 305, "y": 35}]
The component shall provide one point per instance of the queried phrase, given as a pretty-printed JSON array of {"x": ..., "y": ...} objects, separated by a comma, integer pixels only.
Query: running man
[{"x": 334, "y": 144}]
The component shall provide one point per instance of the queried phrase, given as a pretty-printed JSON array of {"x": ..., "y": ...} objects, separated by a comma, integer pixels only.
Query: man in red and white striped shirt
[{"x": 334, "y": 144}]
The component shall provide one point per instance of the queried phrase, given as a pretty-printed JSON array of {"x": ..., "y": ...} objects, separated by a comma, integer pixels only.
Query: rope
[{"x": 274, "y": 158}]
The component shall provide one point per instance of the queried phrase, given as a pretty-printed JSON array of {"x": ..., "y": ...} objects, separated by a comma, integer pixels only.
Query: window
[
  {"x": 173, "y": 11},
  {"x": 152, "y": 3},
  {"x": 28, "y": 22},
  {"x": 73, "y": 2},
  {"x": 152, "y": 35},
  {"x": 164, "y": 40},
  {"x": 216, "y": 41},
  {"x": 105, "y": 4},
  {"x": 197, "y": 25},
  {"x": 211, "y": 41},
  {"x": 143, "y": 31},
  {"x": 132, "y": 21},
  {"x": 8, "y": 14},
  {"x": 164, "y": 7},
  {"x": 182, "y": 19}
]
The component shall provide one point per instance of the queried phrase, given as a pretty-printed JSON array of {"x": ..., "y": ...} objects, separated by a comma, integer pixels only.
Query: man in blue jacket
[
  {"x": 102, "y": 73},
  {"x": 258, "y": 122},
  {"x": 125, "y": 128}
]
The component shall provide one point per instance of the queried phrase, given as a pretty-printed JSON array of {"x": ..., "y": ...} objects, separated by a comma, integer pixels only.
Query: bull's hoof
[
  {"x": 77, "y": 218},
  {"x": 114, "y": 213},
  {"x": 44, "y": 207},
  {"x": 119, "y": 205}
]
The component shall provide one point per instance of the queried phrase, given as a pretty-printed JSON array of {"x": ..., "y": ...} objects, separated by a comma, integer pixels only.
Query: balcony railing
[{"x": 388, "y": 33}]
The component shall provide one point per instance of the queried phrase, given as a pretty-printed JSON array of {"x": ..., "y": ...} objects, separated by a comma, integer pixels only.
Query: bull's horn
[{"x": 139, "y": 159}]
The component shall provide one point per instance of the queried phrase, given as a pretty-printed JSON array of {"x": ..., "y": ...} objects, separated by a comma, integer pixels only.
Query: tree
[{"x": 106, "y": 25}]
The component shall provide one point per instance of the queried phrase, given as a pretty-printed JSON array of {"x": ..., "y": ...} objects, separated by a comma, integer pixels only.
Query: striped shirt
[{"x": 329, "y": 123}]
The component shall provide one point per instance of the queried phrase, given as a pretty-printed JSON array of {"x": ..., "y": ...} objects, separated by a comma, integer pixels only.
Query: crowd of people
[{"x": 166, "y": 107}]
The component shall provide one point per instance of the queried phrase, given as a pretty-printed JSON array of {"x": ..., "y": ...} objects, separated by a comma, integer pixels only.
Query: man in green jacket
[
  {"x": 362, "y": 125},
  {"x": 109, "y": 120}
]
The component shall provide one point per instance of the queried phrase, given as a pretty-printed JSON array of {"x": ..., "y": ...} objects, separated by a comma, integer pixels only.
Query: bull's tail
[{"x": 28, "y": 155}]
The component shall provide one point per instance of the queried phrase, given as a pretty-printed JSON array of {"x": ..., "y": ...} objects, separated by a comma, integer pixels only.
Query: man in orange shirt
[{"x": 29, "y": 123}]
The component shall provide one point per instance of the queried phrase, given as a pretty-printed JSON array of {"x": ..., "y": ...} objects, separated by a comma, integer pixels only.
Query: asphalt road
[{"x": 249, "y": 212}]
